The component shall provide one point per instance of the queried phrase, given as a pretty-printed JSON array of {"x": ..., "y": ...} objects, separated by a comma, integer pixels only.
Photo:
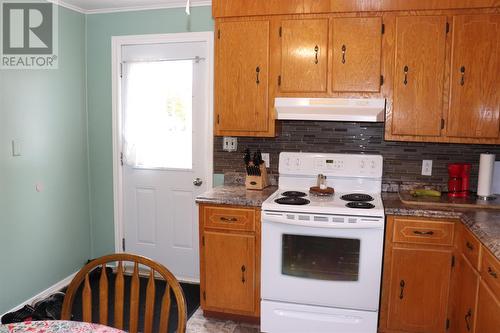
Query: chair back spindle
[{"x": 172, "y": 287}]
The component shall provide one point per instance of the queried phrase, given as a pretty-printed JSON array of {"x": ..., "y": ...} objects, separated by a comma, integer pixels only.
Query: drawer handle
[
  {"x": 469, "y": 246},
  {"x": 316, "y": 50},
  {"x": 423, "y": 233},
  {"x": 405, "y": 70},
  {"x": 228, "y": 219},
  {"x": 402, "y": 286},
  {"x": 344, "y": 50},
  {"x": 468, "y": 315},
  {"x": 243, "y": 269},
  {"x": 492, "y": 272},
  {"x": 257, "y": 72}
]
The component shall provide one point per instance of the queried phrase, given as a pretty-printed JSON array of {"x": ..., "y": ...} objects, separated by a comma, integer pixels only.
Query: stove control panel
[{"x": 342, "y": 165}]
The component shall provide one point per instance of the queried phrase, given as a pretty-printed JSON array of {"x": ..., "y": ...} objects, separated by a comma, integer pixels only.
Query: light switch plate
[
  {"x": 426, "y": 167},
  {"x": 16, "y": 148},
  {"x": 229, "y": 143}
]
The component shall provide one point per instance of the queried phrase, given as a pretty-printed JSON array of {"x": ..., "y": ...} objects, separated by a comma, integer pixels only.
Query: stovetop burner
[
  {"x": 293, "y": 194},
  {"x": 357, "y": 197},
  {"x": 360, "y": 204},
  {"x": 292, "y": 201}
]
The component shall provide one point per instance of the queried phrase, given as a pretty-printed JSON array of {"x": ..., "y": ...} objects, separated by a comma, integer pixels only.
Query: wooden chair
[{"x": 153, "y": 267}]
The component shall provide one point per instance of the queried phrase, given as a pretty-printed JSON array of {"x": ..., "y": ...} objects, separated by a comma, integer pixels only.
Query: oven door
[{"x": 335, "y": 267}]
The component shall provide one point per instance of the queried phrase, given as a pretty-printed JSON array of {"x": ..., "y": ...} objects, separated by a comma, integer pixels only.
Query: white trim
[
  {"x": 176, "y": 4},
  {"x": 116, "y": 45},
  {"x": 47, "y": 292},
  {"x": 171, "y": 4},
  {"x": 68, "y": 6}
]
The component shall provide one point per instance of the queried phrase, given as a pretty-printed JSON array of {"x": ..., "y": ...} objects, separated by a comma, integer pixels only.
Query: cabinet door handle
[
  {"x": 316, "y": 50},
  {"x": 243, "y": 269},
  {"x": 492, "y": 272},
  {"x": 423, "y": 233},
  {"x": 405, "y": 70},
  {"x": 402, "y": 286},
  {"x": 462, "y": 76},
  {"x": 468, "y": 315},
  {"x": 469, "y": 246},
  {"x": 344, "y": 49},
  {"x": 257, "y": 72},
  {"x": 228, "y": 219}
]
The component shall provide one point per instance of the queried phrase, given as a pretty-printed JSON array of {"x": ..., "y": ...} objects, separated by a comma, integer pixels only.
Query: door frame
[{"x": 116, "y": 55}]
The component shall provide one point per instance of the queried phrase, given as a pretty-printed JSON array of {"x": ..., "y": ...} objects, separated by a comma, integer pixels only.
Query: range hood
[{"x": 331, "y": 109}]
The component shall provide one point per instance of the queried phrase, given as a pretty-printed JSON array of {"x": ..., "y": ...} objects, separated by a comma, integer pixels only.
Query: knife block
[{"x": 258, "y": 182}]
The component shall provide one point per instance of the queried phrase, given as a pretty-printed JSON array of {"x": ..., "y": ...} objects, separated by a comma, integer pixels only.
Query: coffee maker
[{"x": 458, "y": 181}]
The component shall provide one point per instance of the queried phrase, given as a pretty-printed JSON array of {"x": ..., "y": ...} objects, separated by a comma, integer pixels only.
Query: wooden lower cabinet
[
  {"x": 488, "y": 311},
  {"x": 465, "y": 284},
  {"x": 230, "y": 261},
  {"x": 437, "y": 280},
  {"x": 418, "y": 290},
  {"x": 416, "y": 275}
]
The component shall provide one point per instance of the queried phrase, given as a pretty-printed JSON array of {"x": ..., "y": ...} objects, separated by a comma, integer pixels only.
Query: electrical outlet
[
  {"x": 266, "y": 159},
  {"x": 426, "y": 167},
  {"x": 229, "y": 143}
]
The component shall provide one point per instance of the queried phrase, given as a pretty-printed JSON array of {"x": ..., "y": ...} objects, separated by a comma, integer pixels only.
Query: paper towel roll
[{"x": 486, "y": 167}]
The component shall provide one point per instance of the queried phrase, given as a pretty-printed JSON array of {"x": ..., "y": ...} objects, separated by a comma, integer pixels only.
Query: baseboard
[{"x": 52, "y": 289}]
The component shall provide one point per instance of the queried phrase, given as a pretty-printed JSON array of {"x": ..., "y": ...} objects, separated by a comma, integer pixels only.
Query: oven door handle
[{"x": 278, "y": 218}]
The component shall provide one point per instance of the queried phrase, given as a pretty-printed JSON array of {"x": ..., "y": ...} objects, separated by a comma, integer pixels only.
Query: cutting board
[{"x": 445, "y": 201}]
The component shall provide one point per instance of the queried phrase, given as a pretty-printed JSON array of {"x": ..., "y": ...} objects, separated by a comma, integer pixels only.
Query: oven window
[{"x": 321, "y": 258}]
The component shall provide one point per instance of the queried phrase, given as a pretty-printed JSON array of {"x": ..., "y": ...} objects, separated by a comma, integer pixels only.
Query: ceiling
[{"x": 105, "y": 6}]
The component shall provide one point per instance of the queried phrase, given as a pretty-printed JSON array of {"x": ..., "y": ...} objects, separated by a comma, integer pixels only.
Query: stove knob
[
  {"x": 372, "y": 164},
  {"x": 362, "y": 164}
]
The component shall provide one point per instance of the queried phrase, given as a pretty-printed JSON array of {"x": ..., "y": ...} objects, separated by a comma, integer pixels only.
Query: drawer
[
  {"x": 470, "y": 247},
  {"x": 490, "y": 271},
  {"x": 416, "y": 231},
  {"x": 229, "y": 218}
]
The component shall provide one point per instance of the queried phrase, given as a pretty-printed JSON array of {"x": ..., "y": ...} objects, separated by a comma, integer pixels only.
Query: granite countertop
[
  {"x": 484, "y": 223},
  {"x": 235, "y": 195}
]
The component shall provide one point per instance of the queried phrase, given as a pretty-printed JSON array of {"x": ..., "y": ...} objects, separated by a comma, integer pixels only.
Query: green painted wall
[
  {"x": 100, "y": 28},
  {"x": 44, "y": 236}
]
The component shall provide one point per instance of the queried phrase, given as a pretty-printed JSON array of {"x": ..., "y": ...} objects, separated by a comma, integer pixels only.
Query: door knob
[{"x": 197, "y": 182}]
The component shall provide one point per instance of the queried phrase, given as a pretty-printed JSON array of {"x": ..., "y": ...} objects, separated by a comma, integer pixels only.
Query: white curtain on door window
[{"x": 157, "y": 124}]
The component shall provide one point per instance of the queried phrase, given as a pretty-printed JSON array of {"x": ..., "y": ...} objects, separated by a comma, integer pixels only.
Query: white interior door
[{"x": 164, "y": 115}]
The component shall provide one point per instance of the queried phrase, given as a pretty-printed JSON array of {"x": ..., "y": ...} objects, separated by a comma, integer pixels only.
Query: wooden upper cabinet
[
  {"x": 418, "y": 290},
  {"x": 475, "y": 81},
  {"x": 304, "y": 55},
  {"x": 357, "y": 44},
  {"x": 241, "y": 77},
  {"x": 419, "y": 75}
]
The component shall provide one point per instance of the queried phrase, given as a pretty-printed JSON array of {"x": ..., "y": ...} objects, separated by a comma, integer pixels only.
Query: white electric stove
[{"x": 322, "y": 255}]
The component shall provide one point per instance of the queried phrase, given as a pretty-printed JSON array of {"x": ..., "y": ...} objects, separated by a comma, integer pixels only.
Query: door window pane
[
  {"x": 158, "y": 114},
  {"x": 321, "y": 258}
]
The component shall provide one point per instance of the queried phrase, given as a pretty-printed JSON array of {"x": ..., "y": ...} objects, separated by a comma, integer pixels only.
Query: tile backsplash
[{"x": 402, "y": 160}]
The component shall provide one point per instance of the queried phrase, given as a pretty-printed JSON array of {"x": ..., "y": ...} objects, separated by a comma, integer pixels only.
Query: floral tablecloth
[{"x": 56, "y": 326}]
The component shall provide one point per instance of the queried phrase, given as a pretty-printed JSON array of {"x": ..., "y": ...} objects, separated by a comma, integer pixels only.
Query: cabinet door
[
  {"x": 466, "y": 282},
  {"x": 229, "y": 272},
  {"x": 475, "y": 81},
  {"x": 488, "y": 310},
  {"x": 304, "y": 54},
  {"x": 241, "y": 83},
  {"x": 418, "y": 294},
  {"x": 357, "y": 44},
  {"x": 418, "y": 75}
]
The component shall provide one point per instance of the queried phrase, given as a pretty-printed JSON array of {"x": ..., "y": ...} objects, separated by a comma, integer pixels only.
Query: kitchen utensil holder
[{"x": 258, "y": 182}]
